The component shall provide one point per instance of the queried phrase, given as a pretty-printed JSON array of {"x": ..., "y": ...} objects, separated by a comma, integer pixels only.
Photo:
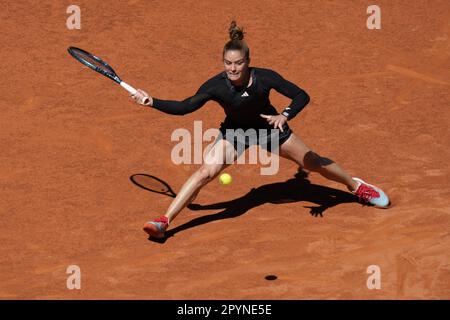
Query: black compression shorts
[{"x": 243, "y": 138}]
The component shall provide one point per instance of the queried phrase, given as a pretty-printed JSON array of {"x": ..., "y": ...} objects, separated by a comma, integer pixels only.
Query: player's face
[{"x": 236, "y": 65}]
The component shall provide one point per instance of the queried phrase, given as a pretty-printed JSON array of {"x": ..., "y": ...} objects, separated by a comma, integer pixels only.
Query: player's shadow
[{"x": 296, "y": 189}]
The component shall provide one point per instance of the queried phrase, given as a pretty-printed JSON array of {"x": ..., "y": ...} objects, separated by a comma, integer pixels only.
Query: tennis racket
[{"x": 97, "y": 64}]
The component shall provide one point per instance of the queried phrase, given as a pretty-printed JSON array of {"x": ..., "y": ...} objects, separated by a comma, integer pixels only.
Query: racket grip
[{"x": 127, "y": 87}]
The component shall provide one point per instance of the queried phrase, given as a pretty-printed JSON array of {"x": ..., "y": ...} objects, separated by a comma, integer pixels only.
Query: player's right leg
[{"x": 220, "y": 156}]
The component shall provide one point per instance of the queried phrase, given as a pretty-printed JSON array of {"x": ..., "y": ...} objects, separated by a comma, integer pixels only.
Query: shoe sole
[{"x": 152, "y": 231}]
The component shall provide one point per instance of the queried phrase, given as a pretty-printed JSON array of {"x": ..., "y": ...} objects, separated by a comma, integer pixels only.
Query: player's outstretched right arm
[
  {"x": 175, "y": 107},
  {"x": 181, "y": 107}
]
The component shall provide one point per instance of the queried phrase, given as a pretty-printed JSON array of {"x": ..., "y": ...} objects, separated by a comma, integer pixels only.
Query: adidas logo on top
[{"x": 245, "y": 94}]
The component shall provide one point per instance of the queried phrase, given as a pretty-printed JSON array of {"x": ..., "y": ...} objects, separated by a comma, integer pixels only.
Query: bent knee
[
  {"x": 312, "y": 161},
  {"x": 207, "y": 173}
]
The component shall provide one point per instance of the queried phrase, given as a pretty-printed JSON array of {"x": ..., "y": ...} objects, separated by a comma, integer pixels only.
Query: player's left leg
[{"x": 295, "y": 149}]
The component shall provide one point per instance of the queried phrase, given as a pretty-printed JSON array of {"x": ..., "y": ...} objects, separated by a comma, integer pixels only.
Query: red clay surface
[{"x": 70, "y": 140}]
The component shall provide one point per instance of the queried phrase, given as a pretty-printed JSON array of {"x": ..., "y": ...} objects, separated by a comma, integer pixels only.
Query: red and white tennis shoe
[
  {"x": 370, "y": 194},
  {"x": 157, "y": 227}
]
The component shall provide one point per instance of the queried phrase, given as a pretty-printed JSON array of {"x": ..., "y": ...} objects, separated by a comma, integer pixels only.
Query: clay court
[{"x": 71, "y": 139}]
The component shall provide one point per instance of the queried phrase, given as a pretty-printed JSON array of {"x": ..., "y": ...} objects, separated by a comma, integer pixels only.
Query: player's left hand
[{"x": 278, "y": 121}]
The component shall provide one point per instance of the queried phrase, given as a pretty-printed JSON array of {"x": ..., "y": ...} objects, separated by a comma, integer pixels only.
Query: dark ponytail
[{"x": 236, "y": 40}]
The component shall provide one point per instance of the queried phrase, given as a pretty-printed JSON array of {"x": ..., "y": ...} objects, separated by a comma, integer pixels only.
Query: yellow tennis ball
[{"x": 225, "y": 178}]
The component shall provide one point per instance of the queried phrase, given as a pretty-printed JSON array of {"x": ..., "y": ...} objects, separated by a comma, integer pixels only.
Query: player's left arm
[{"x": 299, "y": 97}]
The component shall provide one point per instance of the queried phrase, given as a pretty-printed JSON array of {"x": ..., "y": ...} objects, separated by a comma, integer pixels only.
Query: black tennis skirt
[{"x": 242, "y": 138}]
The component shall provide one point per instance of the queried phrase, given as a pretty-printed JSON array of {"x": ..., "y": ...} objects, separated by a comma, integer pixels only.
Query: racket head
[
  {"x": 94, "y": 63},
  {"x": 152, "y": 183}
]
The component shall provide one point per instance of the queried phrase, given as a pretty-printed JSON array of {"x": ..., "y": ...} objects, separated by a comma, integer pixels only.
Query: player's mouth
[{"x": 234, "y": 75}]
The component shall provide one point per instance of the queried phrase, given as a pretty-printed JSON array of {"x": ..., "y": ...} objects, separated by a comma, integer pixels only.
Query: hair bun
[{"x": 236, "y": 33}]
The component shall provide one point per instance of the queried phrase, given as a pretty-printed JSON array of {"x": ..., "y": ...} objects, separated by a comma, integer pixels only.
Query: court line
[
  {"x": 414, "y": 74},
  {"x": 438, "y": 60},
  {"x": 359, "y": 76}
]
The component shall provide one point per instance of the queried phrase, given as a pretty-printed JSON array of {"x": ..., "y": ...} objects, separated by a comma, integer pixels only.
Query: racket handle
[{"x": 127, "y": 87}]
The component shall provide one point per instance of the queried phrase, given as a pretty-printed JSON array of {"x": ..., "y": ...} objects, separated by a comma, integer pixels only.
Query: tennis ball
[{"x": 225, "y": 178}]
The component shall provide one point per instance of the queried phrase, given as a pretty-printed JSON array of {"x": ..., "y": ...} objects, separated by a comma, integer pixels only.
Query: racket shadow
[
  {"x": 296, "y": 189},
  {"x": 156, "y": 185}
]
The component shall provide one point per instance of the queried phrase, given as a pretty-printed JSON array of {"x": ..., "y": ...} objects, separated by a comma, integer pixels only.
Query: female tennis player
[{"x": 243, "y": 92}]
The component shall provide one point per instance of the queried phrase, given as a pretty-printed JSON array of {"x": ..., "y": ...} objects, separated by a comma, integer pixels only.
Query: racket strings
[
  {"x": 92, "y": 60},
  {"x": 95, "y": 63}
]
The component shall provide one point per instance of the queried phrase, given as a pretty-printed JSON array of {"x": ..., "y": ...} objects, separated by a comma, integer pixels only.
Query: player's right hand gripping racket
[{"x": 97, "y": 64}]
